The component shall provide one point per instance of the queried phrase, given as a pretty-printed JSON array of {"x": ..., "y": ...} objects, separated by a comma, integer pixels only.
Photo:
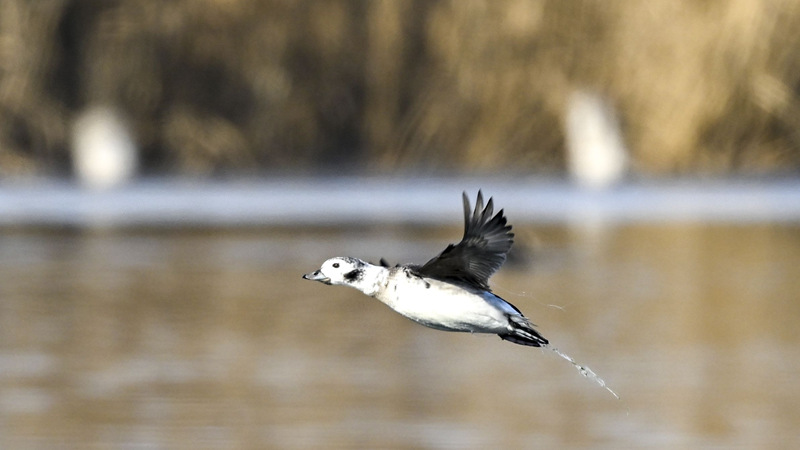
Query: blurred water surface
[{"x": 210, "y": 339}]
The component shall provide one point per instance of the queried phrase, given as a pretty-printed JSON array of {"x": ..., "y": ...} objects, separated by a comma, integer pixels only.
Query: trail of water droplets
[{"x": 585, "y": 371}]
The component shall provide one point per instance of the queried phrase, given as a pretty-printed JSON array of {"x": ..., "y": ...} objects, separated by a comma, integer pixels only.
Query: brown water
[{"x": 211, "y": 340}]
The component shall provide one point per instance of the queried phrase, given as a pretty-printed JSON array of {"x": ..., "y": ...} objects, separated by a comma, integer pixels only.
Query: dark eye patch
[
  {"x": 335, "y": 265},
  {"x": 354, "y": 275}
]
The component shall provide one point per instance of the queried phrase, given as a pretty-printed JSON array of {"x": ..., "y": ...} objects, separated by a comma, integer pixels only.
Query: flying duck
[{"x": 451, "y": 291}]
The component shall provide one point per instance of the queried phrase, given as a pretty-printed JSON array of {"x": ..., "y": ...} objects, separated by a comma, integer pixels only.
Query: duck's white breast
[{"x": 445, "y": 306}]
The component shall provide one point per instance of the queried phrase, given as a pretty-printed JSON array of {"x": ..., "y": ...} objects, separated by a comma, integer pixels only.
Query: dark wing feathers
[
  {"x": 385, "y": 263},
  {"x": 487, "y": 239}
]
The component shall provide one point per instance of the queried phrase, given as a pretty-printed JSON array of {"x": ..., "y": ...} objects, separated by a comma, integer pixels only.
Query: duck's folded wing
[{"x": 487, "y": 239}]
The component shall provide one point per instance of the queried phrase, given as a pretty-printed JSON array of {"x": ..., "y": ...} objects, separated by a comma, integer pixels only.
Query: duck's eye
[{"x": 335, "y": 265}]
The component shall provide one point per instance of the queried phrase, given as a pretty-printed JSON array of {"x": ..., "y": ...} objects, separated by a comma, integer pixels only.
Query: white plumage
[{"x": 451, "y": 291}]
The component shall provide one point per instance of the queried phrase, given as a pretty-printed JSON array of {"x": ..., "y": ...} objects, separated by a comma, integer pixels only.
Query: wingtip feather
[
  {"x": 478, "y": 205},
  {"x": 467, "y": 209}
]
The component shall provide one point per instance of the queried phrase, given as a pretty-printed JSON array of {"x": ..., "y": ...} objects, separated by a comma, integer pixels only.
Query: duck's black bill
[{"x": 317, "y": 276}]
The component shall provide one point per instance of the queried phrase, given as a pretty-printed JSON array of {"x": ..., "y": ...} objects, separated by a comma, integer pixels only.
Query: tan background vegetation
[{"x": 220, "y": 86}]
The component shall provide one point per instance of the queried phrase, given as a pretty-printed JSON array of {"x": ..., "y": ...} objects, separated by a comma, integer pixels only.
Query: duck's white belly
[{"x": 444, "y": 306}]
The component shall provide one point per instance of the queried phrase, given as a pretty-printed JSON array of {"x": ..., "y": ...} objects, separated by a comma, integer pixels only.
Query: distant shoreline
[{"x": 374, "y": 201}]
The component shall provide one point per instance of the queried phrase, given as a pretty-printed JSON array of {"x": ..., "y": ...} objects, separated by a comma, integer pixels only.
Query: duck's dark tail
[{"x": 523, "y": 333}]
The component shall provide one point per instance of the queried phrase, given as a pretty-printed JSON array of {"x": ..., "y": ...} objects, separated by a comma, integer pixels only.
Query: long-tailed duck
[{"x": 451, "y": 291}]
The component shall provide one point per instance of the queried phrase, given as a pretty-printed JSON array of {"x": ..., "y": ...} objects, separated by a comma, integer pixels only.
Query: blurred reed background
[
  {"x": 221, "y": 87},
  {"x": 169, "y": 169}
]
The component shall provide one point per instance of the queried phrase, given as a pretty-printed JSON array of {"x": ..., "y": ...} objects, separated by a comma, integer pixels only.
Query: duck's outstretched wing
[{"x": 487, "y": 239}]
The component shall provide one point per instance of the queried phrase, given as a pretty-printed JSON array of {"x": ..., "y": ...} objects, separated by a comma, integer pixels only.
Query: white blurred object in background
[
  {"x": 103, "y": 152},
  {"x": 596, "y": 153}
]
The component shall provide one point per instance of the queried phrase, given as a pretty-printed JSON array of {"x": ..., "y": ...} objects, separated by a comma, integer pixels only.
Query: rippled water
[{"x": 195, "y": 340}]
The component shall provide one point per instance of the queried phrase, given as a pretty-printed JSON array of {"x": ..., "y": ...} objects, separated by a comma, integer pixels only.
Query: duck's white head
[
  {"x": 340, "y": 270},
  {"x": 352, "y": 272}
]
